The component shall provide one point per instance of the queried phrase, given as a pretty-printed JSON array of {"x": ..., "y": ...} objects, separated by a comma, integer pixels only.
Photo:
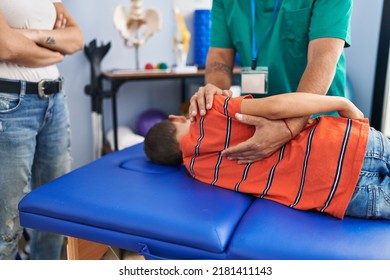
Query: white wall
[{"x": 95, "y": 20}]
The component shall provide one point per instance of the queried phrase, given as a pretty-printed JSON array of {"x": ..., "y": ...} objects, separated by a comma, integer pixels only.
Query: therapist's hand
[
  {"x": 269, "y": 136},
  {"x": 202, "y": 100}
]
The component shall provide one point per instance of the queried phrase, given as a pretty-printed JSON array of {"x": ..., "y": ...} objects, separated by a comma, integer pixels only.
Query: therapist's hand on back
[{"x": 270, "y": 135}]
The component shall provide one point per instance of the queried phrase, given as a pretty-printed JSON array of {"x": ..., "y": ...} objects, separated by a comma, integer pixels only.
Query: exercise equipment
[
  {"x": 124, "y": 200},
  {"x": 95, "y": 55},
  {"x": 149, "y": 66},
  {"x": 149, "y": 118},
  {"x": 202, "y": 30},
  {"x": 162, "y": 66}
]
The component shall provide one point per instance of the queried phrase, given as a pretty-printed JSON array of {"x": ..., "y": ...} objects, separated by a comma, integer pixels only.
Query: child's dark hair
[{"x": 161, "y": 146}]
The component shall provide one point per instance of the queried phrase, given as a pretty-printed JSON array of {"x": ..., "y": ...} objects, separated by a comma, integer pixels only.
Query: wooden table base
[{"x": 80, "y": 249}]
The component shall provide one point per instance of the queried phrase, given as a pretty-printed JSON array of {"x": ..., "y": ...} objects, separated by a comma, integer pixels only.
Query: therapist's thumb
[{"x": 251, "y": 120}]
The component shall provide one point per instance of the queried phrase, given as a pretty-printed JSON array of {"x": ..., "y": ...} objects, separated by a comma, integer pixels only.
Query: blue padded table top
[
  {"x": 124, "y": 193},
  {"x": 125, "y": 201},
  {"x": 273, "y": 231}
]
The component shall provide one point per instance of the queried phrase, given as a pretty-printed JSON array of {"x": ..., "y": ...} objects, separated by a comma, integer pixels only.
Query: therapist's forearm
[
  {"x": 219, "y": 65},
  {"x": 316, "y": 81},
  {"x": 317, "y": 77},
  {"x": 323, "y": 55},
  {"x": 218, "y": 74}
]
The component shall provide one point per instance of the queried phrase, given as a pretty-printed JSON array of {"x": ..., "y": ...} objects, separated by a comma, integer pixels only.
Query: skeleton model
[
  {"x": 181, "y": 41},
  {"x": 129, "y": 25}
]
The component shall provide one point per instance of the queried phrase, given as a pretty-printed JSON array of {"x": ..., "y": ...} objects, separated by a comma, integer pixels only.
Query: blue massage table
[{"x": 125, "y": 201}]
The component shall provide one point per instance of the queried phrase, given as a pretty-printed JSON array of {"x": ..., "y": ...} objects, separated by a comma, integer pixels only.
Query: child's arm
[{"x": 299, "y": 104}]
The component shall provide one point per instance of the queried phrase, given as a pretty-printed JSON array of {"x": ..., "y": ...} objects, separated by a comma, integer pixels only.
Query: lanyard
[{"x": 255, "y": 46}]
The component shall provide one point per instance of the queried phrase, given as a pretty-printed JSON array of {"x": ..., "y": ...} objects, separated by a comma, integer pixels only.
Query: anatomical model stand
[{"x": 129, "y": 25}]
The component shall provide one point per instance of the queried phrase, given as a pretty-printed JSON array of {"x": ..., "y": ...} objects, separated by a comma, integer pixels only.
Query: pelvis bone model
[{"x": 129, "y": 23}]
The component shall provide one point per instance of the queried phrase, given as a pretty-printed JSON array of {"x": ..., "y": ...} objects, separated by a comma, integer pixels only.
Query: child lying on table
[{"x": 336, "y": 165}]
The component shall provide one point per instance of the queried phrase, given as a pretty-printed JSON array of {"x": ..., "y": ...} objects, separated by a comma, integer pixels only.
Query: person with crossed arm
[{"x": 34, "y": 118}]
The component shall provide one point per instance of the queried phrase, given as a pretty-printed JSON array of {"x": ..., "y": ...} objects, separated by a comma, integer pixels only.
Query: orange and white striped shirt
[{"x": 318, "y": 169}]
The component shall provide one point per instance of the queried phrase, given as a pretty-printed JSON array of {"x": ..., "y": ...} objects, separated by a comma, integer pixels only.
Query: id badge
[{"x": 254, "y": 81}]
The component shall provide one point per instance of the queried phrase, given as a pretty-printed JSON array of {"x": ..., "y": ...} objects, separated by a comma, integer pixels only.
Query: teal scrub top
[{"x": 284, "y": 49}]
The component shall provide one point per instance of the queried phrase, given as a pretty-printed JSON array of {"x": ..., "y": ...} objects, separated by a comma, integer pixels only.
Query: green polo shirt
[{"x": 284, "y": 49}]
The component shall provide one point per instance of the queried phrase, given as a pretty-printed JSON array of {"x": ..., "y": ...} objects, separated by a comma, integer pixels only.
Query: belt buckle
[{"x": 41, "y": 89}]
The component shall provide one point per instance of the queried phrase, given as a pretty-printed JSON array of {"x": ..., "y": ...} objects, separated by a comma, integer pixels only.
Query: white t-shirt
[{"x": 28, "y": 14}]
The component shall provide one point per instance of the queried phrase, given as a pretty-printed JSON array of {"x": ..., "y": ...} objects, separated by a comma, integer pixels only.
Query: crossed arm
[
  {"x": 65, "y": 37},
  {"x": 39, "y": 48}
]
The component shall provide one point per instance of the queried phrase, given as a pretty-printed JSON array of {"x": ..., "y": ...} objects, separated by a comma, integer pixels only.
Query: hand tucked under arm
[
  {"x": 65, "y": 37},
  {"x": 16, "y": 48}
]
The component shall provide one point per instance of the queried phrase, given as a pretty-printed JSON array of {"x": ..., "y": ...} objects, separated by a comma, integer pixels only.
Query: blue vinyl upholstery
[{"x": 125, "y": 201}]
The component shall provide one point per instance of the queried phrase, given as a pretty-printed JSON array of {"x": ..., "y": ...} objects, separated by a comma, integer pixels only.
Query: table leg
[{"x": 80, "y": 249}]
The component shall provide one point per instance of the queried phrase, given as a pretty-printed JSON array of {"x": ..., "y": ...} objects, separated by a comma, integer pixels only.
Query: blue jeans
[
  {"x": 34, "y": 149},
  {"x": 371, "y": 199}
]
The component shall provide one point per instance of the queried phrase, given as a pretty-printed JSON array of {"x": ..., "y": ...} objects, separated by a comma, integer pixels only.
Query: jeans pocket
[
  {"x": 362, "y": 202},
  {"x": 370, "y": 202},
  {"x": 9, "y": 102}
]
